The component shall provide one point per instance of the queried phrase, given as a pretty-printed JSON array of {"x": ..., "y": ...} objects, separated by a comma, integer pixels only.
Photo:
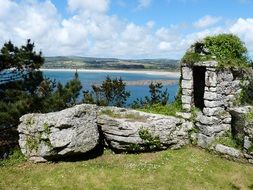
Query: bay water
[{"x": 137, "y": 91}]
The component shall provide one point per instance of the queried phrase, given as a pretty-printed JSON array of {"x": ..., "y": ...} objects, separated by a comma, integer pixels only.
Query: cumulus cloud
[
  {"x": 88, "y": 5},
  {"x": 207, "y": 21},
  {"x": 90, "y": 31},
  {"x": 244, "y": 29}
]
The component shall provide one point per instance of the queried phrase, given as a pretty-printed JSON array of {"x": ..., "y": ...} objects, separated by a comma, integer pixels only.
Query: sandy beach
[{"x": 149, "y": 72}]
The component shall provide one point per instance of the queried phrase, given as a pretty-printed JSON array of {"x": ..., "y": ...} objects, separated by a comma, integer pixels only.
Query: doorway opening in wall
[{"x": 199, "y": 73}]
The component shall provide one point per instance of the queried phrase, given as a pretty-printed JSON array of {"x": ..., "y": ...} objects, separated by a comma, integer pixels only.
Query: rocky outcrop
[
  {"x": 54, "y": 135},
  {"x": 80, "y": 129},
  {"x": 130, "y": 130}
]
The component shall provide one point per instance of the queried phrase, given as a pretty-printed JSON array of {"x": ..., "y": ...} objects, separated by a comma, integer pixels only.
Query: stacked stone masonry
[{"x": 220, "y": 91}]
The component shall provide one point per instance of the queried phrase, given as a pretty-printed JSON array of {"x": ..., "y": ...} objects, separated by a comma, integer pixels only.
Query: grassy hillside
[
  {"x": 110, "y": 63},
  {"x": 188, "y": 168}
]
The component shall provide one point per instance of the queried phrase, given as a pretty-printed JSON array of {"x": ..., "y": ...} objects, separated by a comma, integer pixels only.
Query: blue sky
[{"x": 122, "y": 28}]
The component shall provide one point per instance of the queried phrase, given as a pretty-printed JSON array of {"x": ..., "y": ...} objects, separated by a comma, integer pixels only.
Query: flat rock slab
[
  {"x": 222, "y": 149},
  {"x": 66, "y": 133},
  {"x": 123, "y": 130}
]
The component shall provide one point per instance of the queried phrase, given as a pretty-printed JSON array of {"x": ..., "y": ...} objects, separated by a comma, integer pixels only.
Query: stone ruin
[
  {"x": 213, "y": 91},
  {"x": 85, "y": 128}
]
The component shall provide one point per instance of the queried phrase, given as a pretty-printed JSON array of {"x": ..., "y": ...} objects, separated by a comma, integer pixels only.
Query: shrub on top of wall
[{"x": 227, "y": 49}]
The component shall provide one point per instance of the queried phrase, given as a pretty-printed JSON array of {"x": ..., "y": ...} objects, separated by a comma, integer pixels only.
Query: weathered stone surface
[
  {"x": 188, "y": 84},
  {"x": 208, "y": 64},
  {"x": 187, "y": 73},
  {"x": 240, "y": 125},
  {"x": 212, "y": 104},
  {"x": 186, "y": 99},
  {"x": 240, "y": 111},
  {"x": 204, "y": 141},
  {"x": 211, "y": 89},
  {"x": 184, "y": 115},
  {"x": 186, "y": 107},
  {"x": 225, "y": 75},
  {"x": 227, "y": 151},
  {"x": 211, "y": 96},
  {"x": 207, "y": 120},
  {"x": 68, "y": 132},
  {"x": 213, "y": 111},
  {"x": 227, "y": 120},
  {"x": 213, "y": 130},
  {"x": 211, "y": 79},
  {"x": 123, "y": 132},
  {"x": 187, "y": 92},
  {"x": 247, "y": 143}
]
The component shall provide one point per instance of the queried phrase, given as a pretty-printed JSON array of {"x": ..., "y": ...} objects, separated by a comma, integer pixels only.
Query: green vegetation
[
  {"x": 157, "y": 102},
  {"x": 61, "y": 96},
  {"x": 194, "y": 112},
  {"x": 131, "y": 116},
  {"x": 32, "y": 143},
  {"x": 29, "y": 121},
  {"x": 169, "y": 109},
  {"x": 150, "y": 142},
  {"x": 249, "y": 116},
  {"x": 157, "y": 96},
  {"x": 227, "y": 49},
  {"x": 228, "y": 140},
  {"x": 250, "y": 149},
  {"x": 74, "y": 62},
  {"x": 187, "y": 168},
  {"x": 16, "y": 157},
  {"x": 112, "y": 92},
  {"x": 46, "y": 128},
  {"x": 23, "y": 89},
  {"x": 246, "y": 95}
]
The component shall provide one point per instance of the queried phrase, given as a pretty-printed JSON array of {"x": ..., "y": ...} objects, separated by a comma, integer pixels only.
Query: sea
[{"x": 136, "y": 91}]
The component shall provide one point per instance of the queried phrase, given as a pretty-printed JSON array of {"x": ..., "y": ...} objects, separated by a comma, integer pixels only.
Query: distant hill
[{"x": 75, "y": 62}]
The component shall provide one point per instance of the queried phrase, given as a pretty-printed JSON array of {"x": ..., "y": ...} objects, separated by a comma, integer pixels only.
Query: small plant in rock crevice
[
  {"x": 46, "y": 128},
  {"x": 150, "y": 142},
  {"x": 32, "y": 143},
  {"x": 29, "y": 121}
]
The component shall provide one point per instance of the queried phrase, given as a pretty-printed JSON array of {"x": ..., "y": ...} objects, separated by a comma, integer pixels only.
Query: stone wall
[
  {"x": 221, "y": 89},
  {"x": 243, "y": 130}
]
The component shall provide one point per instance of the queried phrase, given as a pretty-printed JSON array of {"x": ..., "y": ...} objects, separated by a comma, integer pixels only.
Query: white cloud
[
  {"x": 142, "y": 4},
  {"x": 90, "y": 31},
  {"x": 89, "y": 5},
  {"x": 244, "y": 29},
  {"x": 207, "y": 21}
]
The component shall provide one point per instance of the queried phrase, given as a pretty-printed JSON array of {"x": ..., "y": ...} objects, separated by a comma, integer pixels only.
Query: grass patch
[
  {"x": 188, "y": 168},
  {"x": 16, "y": 157},
  {"x": 169, "y": 109}
]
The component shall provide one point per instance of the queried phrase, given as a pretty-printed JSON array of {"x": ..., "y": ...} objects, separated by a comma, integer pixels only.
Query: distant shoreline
[{"x": 149, "y": 72}]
